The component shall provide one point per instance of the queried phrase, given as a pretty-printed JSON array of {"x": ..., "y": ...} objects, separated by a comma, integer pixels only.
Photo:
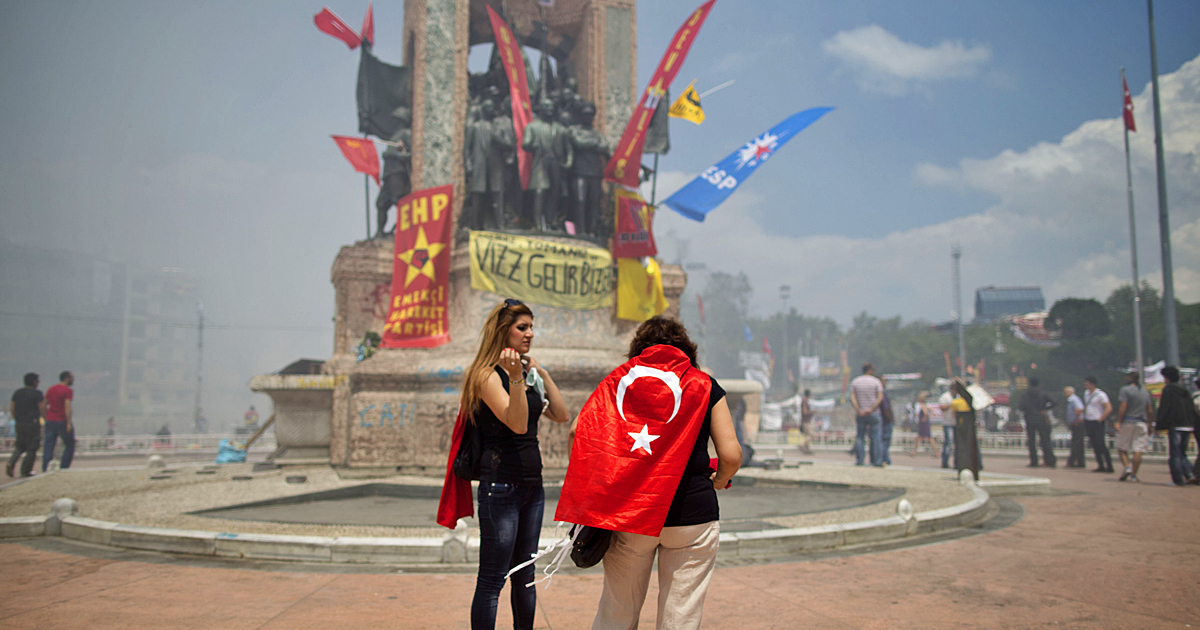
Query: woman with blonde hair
[{"x": 504, "y": 393}]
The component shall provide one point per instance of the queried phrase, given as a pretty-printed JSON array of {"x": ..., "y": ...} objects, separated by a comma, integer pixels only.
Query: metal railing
[
  {"x": 904, "y": 440},
  {"x": 148, "y": 444}
]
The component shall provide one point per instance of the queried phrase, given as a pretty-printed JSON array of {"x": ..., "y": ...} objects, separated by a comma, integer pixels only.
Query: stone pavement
[{"x": 1096, "y": 554}]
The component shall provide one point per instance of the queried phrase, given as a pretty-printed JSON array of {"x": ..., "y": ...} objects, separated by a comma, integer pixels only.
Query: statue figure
[
  {"x": 561, "y": 189},
  {"x": 591, "y": 153},
  {"x": 487, "y": 149},
  {"x": 541, "y": 139},
  {"x": 396, "y": 181}
]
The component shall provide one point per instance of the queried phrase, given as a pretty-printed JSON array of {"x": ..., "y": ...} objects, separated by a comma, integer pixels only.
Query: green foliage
[{"x": 1079, "y": 319}]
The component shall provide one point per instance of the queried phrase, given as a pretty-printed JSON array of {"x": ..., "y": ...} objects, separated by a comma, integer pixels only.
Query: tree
[
  {"x": 726, "y": 300},
  {"x": 1079, "y": 319}
]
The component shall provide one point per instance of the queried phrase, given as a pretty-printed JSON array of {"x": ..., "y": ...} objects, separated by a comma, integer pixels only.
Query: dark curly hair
[{"x": 660, "y": 330}]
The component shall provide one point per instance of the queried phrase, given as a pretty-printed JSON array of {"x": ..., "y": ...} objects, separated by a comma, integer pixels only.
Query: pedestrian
[
  {"x": 1096, "y": 409},
  {"x": 806, "y": 418},
  {"x": 946, "y": 406},
  {"x": 26, "y": 408},
  {"x": 1035, "y": 404},
  {"x": 866, "y": 395},
  {"x": 923, "y": 428},
  {"x": 504, "y": 392},
  {"x": 58, "y": 422},
  {"x": 1134, "y": 418},
  {"x": 1178, "y": 417},
  {"x": 1074, "y": 420},
  {"x": 640, "y": 468},
  {"x": 888, "y": 425}
]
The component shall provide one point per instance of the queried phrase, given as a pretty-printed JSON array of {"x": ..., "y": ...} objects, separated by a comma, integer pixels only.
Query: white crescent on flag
[{"x": 638, "y": 371}]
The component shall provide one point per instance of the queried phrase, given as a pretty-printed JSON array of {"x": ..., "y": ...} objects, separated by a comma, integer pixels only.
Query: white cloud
[
  {"x": 885, "y": 63},
  {"x": 1060, "y": 222}
]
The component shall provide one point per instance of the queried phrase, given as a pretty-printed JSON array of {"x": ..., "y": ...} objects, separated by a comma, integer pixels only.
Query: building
[
  {"x": 993, "y": 303},
  {"x": 128, "y": 334}
]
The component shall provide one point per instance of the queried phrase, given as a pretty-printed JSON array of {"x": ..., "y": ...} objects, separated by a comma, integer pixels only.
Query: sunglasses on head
[{"x": 509, "y": 303}]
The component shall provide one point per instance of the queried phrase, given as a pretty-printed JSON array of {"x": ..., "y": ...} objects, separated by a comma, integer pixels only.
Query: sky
[{"x": 195, "y": 135}]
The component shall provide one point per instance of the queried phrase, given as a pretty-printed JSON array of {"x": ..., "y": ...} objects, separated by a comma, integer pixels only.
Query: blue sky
[{"x": 195, "y": 135}]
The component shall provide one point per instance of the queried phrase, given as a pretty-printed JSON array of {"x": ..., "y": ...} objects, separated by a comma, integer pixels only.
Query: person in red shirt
[{"x": 58, "y": 421}]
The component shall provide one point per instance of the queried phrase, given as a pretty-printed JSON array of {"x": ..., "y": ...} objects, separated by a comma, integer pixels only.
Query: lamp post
[{"x": 785, "y": 291}]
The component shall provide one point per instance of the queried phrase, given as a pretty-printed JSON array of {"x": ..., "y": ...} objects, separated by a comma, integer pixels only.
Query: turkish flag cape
[
  {"x": 456, "y": 501},
  {"x": 625, "y": 468}
]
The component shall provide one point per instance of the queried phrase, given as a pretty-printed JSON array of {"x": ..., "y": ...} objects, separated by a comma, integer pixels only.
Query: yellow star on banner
[{"x": 420, "y": 257}]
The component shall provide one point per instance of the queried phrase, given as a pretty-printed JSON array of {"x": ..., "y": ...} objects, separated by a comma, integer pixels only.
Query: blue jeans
[
  {"x": 868, "y": 425},
  {"x": 948, "y": 445},
  {"x": 886, "y": 435},
  {"x": 1181, "y": 468},
  {"x": 53, "y": 431},
  {"x": 510, "y": 521}
]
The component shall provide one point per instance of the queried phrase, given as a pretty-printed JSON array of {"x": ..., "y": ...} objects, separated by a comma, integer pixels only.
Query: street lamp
[{"x": 785, "y": 291}]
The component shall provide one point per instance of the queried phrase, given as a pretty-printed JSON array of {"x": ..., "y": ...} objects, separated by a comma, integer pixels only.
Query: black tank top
[{"x": 508, "y": 457}]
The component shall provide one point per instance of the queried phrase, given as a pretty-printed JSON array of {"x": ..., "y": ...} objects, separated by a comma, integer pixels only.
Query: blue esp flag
[
  {"x": 745, "y": 329},
  {"x": 703, "y": 194}
]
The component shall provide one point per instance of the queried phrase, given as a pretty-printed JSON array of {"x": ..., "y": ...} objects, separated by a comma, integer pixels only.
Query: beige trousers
[{"x": 686, "y": 556}]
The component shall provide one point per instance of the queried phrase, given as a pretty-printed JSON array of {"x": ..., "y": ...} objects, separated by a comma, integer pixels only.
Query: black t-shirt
[
  {"x": 508, "y": 457},
  {"x": 695, "y": 500},
  {"x": 25, "y": 405}
]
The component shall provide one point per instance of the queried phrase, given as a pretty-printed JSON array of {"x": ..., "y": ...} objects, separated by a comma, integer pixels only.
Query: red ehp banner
[
  {"x": 518, "y": 89},
  {"x": 634, "y": 237},
  {"x": 418, "y": 316},
  {"x": 360, "y": 152},
  {"x": 626, "y": 161}
]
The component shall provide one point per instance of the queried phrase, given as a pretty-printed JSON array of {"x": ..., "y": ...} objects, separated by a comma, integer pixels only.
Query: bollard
[
  {"x": 59, "y": 510},
  {"x": 966, "y": 477},
  {"x": 156, "y": 461},
  {"x": 454, "y": 544}
]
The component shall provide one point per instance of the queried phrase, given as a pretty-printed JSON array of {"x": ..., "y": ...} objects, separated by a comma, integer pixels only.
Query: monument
[{"x": 396, "y": 408}]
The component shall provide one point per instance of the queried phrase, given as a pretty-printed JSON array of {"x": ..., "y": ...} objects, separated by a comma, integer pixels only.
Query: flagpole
[
  {"x": 367, "y": 201},
  {"x": 1164, "y": 224},
  {"x": 654, "y": 180},
  {"x": 1137, "y": 300}
]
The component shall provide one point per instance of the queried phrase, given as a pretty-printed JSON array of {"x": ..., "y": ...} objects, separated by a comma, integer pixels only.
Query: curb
[{"x": 455, "y": 548}]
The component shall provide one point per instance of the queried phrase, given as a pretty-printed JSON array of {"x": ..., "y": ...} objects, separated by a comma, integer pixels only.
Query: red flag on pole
[
  {"x": 518, "y": 88},
  {"x": 700, "y": 303},
  {"x": 626, "y": 160},
  {"x": 329, "y": 23},
  {"x": 361, "y": 154},
  {"x": 1128, "y": 107},
  {"x": 368, "y": 29},
  {"x": 767, "y": 346},
  {"x": 632, "y": 442}
]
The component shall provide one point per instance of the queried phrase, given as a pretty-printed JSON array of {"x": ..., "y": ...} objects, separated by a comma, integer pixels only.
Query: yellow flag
[
  {"x": 687, "y": 106},
  {"x": 639, "y": 289}
]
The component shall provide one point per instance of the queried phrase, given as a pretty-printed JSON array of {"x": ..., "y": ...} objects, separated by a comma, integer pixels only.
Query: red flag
[
  {"x": 700, "y": 303},
  {"x": 767, "y": 346},
  {"x": 634, "y": 237},
  {"x": 632, "y": 442},
  {"x": 456, "y": 491},
  {"x": 330, "y": 24},
  {"x": 624, "y": 164},
  {"x": 418, "y": 316},
  {"x": 361, "y": 154},
  {"x": 1128, "y": 107},
  {"x": 368, "y": 29},
  {"x": 518, "y": 88}
]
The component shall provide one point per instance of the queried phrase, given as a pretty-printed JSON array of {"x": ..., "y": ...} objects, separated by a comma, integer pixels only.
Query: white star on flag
[{"x": 643, "y": 439}]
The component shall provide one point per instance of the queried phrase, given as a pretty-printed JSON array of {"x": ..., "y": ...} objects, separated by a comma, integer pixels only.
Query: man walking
[
  {"x": 1178, "y": 417},
  {"x": 1133, "y": 432},
  {"x": 949, "y": 432},
  {"x": 1034, "y": 404},
  {"x": 1075, "y": 422},
  {"x": 1096, "y": 408},
  {"x": 889, "y": 424},
  {"x": 26, "y": 407},
  {"x": 58, "y": 421},
  {"x": 866, "y": 394}
]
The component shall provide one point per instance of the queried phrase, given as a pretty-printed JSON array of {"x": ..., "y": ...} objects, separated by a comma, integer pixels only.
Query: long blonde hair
[{"x": 493, "y": 340}]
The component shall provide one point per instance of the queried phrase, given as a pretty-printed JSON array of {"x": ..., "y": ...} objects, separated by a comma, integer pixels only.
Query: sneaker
[
  {"x": 1125, "y": 475},
  {"x": 1193, "y": 482},
  {"x": 1134, "y": 479},
  {"x": 1176, "y": 485}
]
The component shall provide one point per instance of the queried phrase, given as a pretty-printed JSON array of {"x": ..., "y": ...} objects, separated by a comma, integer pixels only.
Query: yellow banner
[
  {"x": 541, "y": 272},
  {"x": 687, "y": 106},
  {"x": 639, "y": 290}
]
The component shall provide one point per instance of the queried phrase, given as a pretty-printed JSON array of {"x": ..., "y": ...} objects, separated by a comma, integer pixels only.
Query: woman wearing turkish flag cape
[{"x": 640, "y": 468}]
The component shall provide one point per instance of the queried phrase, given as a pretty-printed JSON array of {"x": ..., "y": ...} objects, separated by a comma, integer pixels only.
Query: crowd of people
[{"x": 41, "y": 420}]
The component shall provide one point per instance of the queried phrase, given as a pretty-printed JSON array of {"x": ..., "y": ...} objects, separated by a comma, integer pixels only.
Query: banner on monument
[
  {"x": 538, "y": 271},
  {"x": 518, "y": 88},
  {"x": 418, "y": 316},
  {"x": 634, "y": 237},
  {"x": 639, "y": 289},
  {"x": 626, "y": 161}
]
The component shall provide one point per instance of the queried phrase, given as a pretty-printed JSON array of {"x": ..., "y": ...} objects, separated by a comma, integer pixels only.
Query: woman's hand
[
  {"x": 533, "y": 363},
  {"x": 511, "y": 362}
]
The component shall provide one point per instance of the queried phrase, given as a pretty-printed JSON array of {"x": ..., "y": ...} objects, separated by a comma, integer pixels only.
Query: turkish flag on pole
[
  {"x": 361, "y": 154},
  {"x": 1128, "y": 107},
  {"x": 368, "y": 29},
  {"x": 329, "y": 23},
  {"x": 632, "y": 442}
]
